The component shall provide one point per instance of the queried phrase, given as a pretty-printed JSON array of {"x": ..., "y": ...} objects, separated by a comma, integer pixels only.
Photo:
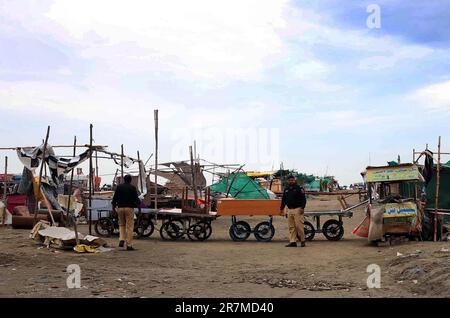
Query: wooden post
[
  {"x": 90, "y": 179},
  {"x": 414, "y": 156},
  {"x": 438, "y": 177},
  {"x": 115, "y": 178},
  {"x": 4, "y": 190},
  {"x": 96, "y": 167},
  {"x": 156, "y": 157},
  {"x": 142, "y": 186},
  {"x": 40, "y": 174},
  {"x": 121, "y": 162},
  {"x": 194, "y": 186},
  {"x": 140, "y": 172},
  {"x": 70, "y": 193}
]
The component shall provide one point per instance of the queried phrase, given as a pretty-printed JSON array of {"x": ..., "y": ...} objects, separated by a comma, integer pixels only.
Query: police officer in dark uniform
[{"x": 294, "y": 199}]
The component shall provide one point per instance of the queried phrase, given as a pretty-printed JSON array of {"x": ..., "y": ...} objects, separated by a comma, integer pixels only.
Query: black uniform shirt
[
  {"x": 293, "y": 197},
  {"x": 126, "y": 196}
]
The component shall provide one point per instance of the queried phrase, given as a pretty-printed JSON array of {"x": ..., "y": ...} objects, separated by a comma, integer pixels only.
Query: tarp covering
[{"x": 240, "y": 186}]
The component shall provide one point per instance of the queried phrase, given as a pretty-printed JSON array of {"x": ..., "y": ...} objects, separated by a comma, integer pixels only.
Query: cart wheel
[
  {"x": 240, "y": 231},
  {"x": 104, "y": 227},
  {"x": 200, "y": 231},
  {"x": 264, "y": 231},
  {"x": 333, "y": 230},
  {"x": 171, "y": 231},
  {"x": 146, "y": 228},
  {"x": 310, "y": 232}
]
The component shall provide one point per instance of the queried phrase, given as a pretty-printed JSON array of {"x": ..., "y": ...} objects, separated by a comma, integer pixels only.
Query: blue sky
[{"x": 337, "y": 92}]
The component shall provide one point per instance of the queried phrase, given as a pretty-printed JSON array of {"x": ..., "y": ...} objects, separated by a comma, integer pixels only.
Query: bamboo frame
[{"x": 40, "y": 174}]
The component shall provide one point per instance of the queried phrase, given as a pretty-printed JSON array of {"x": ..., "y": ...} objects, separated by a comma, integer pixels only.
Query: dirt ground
[{"x": 220, "y": 267}]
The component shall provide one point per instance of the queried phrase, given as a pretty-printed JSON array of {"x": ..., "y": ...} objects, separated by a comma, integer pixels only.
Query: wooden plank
[{"x": 248, "y": 207}]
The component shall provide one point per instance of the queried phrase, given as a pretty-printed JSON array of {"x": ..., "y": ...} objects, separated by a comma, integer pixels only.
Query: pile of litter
[{"x": 64, "y": 238}]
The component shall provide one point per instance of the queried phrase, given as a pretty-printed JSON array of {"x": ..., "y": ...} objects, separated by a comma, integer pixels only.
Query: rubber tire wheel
[
  {"x": 244, "y": 231},
  {"x": 333, "y": 230},
  {"x": 148, "y": 227},
  {"x": 310, "y": 231},
  {"x": 104, "y": 227},
  {"x": 172, "y": 230},
  {"x": 264, "y": 226},
  {"x": 200, "y": 231},
  {"x": 145, "y": 229}
]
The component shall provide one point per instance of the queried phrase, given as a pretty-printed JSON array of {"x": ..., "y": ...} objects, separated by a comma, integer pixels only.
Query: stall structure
[
  {"x": 436, "y": 194},
  {"x": 395, "y": 210}
]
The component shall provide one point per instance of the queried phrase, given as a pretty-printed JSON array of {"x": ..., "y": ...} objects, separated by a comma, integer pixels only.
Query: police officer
[{"x": 294, "y": 199}]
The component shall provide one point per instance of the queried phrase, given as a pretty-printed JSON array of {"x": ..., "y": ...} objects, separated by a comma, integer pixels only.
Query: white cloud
[
  {"x": 199, "y": 38},
  {"x": 434, "y": 97}
]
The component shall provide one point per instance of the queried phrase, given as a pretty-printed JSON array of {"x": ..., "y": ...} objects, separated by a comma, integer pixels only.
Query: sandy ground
[{"x": 220, "y": 267}]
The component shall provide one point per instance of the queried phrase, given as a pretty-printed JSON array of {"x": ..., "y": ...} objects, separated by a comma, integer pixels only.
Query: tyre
[
  {"x": 146, "y": 228},
  {"x": 264, "y": 232},
  {"x": 333, "y": 230},
  {"x": 310, "y": 232},
  {"x": 240, "y": 231},
  {"x": 104, "y": 227},
  {"x": 171, "y": 231},
  {"x": 200, "y": 231}
]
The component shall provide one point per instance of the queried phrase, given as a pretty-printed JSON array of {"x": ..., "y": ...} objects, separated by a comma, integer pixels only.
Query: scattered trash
[
  {"x": 415, "y": 281},
  {"x": 399, "y": 254},
  {"x": 82, "y": 248},
  {"x": 444, "y": 250},
  {"x": 132, "y": 284},
  {"x": 418, "y": 269},
  {"x": 102, "y": 249}
]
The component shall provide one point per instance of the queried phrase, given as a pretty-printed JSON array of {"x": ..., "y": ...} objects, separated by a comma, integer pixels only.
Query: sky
[{"x": 305, "y": 83}]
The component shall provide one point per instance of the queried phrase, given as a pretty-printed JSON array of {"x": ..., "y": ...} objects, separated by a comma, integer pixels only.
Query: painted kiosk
[{"x": 394, "y": 210}]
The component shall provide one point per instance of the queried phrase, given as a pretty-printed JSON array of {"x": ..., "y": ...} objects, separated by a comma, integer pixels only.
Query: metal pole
[
  {"x": 438, "y": 177},
  {"x": 156, "y": 157},
  {"x": 70, "y": 193},
  {"x": 40, "y": 174},
  {"x": 90, "y": 179},
  {"x": 4, "y": 190}
]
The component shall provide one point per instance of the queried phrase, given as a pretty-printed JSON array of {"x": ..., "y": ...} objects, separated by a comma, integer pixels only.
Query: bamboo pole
[
  {"x": 155, "y": 114},
  {"x": 57, "y": 146},
  {"x": 4, "y": 190},
  {"x": 438, "y": 177},
  {"x": 96, "y": 168},
  {"x": 70, "y": 193},
  {"x": 90, "y": 178},
  {"x": 194, "y": 186},
  {"x": 36, "y": 206},
  {"x": 142, "y": 187},
  {"x": 121, "y": 162},
  {"x": 140, "y": 172}
]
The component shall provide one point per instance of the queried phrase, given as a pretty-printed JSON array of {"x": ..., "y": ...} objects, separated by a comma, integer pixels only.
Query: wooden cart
[{"x": 264, "y": 231}]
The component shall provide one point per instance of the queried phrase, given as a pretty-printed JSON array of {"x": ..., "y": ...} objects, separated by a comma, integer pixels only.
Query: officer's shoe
[
  {"x": 121, "y": 243},
  {"x": 292, "y": 244},
  {"x": 130, "y": 248},
  {"x": 303, "y": 244}
]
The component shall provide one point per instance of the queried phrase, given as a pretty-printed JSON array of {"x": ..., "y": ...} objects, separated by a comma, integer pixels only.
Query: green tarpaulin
[{"x": 240, "y": 186}]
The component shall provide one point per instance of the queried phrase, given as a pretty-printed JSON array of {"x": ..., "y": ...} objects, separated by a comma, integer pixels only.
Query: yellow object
[
  {"x": 395, "y": 210},
  {"x": 82, "y": 248},
  {"x": 259, "y": 174},
  {"x": 394, "y": 173}
]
